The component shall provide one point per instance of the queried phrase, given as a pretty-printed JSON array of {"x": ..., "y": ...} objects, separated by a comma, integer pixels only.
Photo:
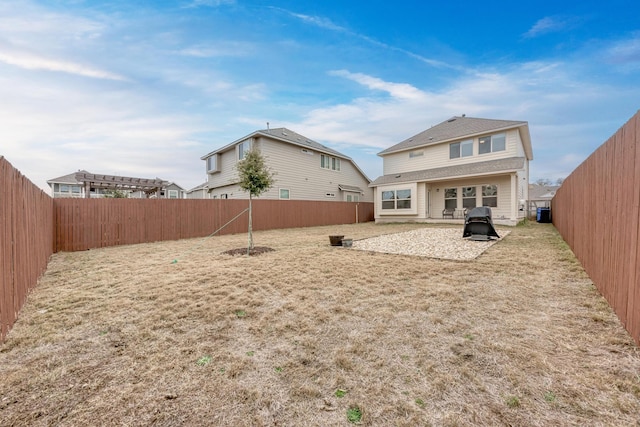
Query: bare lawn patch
[{"x": 178, "y": 333}]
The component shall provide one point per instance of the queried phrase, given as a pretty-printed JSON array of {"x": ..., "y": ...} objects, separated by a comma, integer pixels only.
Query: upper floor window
[
  {"x": 327, "y": 162},
  {"x": 493, "y": 143},
  {"x": 413, "y": 154},
  {"x": 243, "y": 147},
  {"x": 461, "y": 149},
  {"x": 212, "y": 164}
]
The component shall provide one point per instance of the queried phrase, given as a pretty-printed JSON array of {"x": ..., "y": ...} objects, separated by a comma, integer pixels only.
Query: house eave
[{"x": 488, "y": 168}]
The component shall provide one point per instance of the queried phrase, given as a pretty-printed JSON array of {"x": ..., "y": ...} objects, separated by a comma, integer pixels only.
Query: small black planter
[{"x": 336, "y": 240}]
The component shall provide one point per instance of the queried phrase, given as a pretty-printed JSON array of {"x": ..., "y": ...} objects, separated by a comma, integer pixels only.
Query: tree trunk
[{"x": 250, "y": 244}]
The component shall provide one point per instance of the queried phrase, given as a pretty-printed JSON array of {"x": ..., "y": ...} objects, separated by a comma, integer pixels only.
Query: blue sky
[{"x": 146, "y": 88}]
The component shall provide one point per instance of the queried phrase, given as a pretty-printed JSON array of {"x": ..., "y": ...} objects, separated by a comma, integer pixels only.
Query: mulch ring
[{"x": 257, "y": 250}]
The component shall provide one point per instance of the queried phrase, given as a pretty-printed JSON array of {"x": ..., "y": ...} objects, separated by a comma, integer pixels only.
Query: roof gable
[{"x": 460, "y": 127}]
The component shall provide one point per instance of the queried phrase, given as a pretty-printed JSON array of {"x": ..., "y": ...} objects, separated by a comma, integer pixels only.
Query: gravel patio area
[{"x": 443, "y": 243}]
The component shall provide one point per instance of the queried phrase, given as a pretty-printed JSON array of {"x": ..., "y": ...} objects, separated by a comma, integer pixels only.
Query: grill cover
[{"x": 478, "y": 224}]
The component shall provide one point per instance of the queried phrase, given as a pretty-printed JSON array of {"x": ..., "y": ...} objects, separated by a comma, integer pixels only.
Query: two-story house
[
  {"x": 83, "y": 184},
  {"x": 454, "y": 166},
  {"x": 304, "y": 169}
]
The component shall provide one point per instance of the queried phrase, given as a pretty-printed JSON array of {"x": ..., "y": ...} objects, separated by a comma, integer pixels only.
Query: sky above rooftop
[{"x": 146, "y": 88}]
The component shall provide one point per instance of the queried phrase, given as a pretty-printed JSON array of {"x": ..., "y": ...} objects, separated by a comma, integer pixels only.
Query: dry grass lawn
[{"x": 304, "y": 335}]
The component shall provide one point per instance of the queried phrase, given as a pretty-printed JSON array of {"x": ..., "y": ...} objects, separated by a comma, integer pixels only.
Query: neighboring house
[
  {"x": 170, "y": 190},
  {"x": 304, "y": 169},
  {"x": 69, "y": 186},
  {"x": 199, "y": 192},
  {"x": 454, "y": 166},
  {"x": 540, "y": 196},
  {"x": 83, "y": 184}
]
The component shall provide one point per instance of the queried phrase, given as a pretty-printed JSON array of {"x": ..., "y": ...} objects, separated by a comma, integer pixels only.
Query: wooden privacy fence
[
  {"x": 26, "y": 240},
  {"x": 597, "y": 211},
  {"x": 93, "y": 223}
]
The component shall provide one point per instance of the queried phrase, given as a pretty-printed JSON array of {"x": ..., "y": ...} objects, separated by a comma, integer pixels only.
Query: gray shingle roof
[
  {"x": 67, "y": 179},
  {"x": 542, "y": 192},
  {"x": 351, "y": 188},
  {"x": 282, "y": 134},
  {"x": 198, "y": 187},
  {"x": 466, "y": 170},
  {"x": 453, "y": 128},
  {"x": 297, "y": 139}
]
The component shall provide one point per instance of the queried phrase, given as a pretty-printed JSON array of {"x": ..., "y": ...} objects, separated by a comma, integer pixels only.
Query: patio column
[{"x": 514, "y": 196}]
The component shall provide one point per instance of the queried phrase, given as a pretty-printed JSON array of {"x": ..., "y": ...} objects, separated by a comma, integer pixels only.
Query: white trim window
[
  {"x": 328, "y": 162},
  {"x": 490, "y": 196},
  {"x": 284, "y": 194},
  {"x": 468, "y": 197},
  {"x": 173, "y": 194},
  {"x": 396, "y": 199},
  {"x": 492, "y": 143},
  {"x": 461, "y": 149},
  {"x": 243, "y": 147},
  {"x": 451, "y": 198}
]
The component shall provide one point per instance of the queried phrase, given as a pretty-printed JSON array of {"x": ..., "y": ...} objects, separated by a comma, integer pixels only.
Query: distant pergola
[{"x": 111, "y": 182}]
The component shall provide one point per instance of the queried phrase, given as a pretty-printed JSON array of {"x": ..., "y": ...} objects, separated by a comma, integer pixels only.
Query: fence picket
[{"x": 597, "y": 212}]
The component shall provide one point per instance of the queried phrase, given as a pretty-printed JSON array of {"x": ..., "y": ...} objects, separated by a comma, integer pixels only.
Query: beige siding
[
  {"x": 437, "y": 156},
  {"x": 227, "y": 167},
  {"x": 198, "y": 194},
  {"x": 232, "y": 191},
  {"x": 519, "y": 147},
  {"x": 299, "y": 172},
  {"x": 295, "y": 170},
  {"x": 504, "y": 194},
  {"x": 430, "y": 198},
  {"x": 402, "y": 213}
]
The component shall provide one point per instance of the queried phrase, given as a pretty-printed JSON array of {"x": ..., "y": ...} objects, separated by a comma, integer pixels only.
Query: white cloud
[
  {"x": 318, "y": 21},
  {"x": 34, "y": 62},
  {"x": 625, "y": 51},
  {"x": 563, "y": 110},
  {"x": 210, "y": 3},
  {"x": 329, "y": 25},
  {"x": 218, "y": 49},
  {"x": 396, "y": 90},
  {"x": 549, "y": 24}
]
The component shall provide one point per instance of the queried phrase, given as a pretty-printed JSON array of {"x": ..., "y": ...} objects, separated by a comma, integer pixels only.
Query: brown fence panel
[
  {"x": 597, "y": 212},
  {"x": 94, "y": 223},
  {"x": 26, "y": 240}
]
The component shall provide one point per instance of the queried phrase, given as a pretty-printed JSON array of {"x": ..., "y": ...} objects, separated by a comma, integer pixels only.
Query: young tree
[
  {"x": 115, "y": 194},
  {"x": 255, "y": 178}
]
